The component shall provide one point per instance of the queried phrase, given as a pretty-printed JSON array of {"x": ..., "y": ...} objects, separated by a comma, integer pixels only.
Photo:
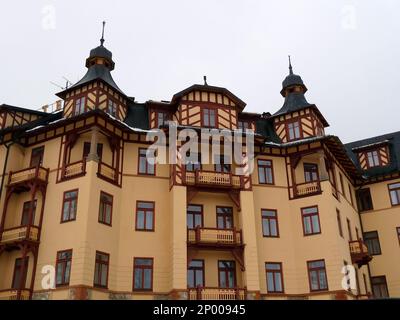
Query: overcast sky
[{"x": 346, "y": 51}]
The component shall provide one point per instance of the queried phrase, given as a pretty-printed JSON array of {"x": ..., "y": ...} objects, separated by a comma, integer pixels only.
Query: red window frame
[
  {"x": 192, "y": 214},
  {"x": 25, "y": 213},
  {"x": 371, "y": 239},
  {"x": 394, "y": 193},
  {"x": 379, "y": 283},
  {"x": 267, "y": 219},
  {"x": 342, "y": 184},
  {"x": 225, "y": 218},
  {"x": 311, "y": 173},
  {"x": 274, "y": 272},
  {"x": 64, "y": 259},
  {"x": 102, "y": 264},
  {"x": 350, "y": 195},
  {"x": 112, "y": 107},
  {"x": 37, "y": 155},
  {"x": 146, "y": 211},
  {"x": 373, "y": 159},
  {"x": 339, "y": 221},
  {"x": 310, "y": 216},
  {"x": 165, "y": 117},
  {"x": 194, "y": 270},
  {"x": 69, "y": 201},
  {"x": 226, "y": 271},
  {"x": 349, "y": 230},
  {"x": 266, "y": 171},
  {"x": 142, "y": 268},
  {"x": 16, "y": 282},
  {"x": 209, "y": 117},
  {"x": 319, "y": 271},
  {"x": 106, "y": 202},
  {"x": 398, "y": 233},
  {"x": 86, "y": 150},
  {"x": 78, "y": 104},
  {"x": 148, "y": 166},
  {"x": 291, "y": 127}
]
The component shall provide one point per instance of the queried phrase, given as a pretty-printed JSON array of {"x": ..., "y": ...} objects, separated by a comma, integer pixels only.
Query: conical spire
[
  {"x": 290, "y": 66},
  {"x": 102, "y": 34}
]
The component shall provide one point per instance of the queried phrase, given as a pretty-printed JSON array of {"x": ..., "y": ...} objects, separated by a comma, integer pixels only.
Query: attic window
[
  {"x": 112, "y": 108},
  {"x": 293, "y": 130},
  {"x": 373, "y": 159}
]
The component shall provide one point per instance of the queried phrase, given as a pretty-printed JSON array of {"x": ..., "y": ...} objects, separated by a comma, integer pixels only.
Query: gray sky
[{"x": 346, "y": 51}]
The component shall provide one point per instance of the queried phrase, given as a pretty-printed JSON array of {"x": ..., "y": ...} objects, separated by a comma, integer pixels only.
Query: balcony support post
[
  {"x": 23, "y": 271},
  {"x": 3, "y": 217},
  {"x": 93, "y": 156},
  {"x": 30, "y": 214}
]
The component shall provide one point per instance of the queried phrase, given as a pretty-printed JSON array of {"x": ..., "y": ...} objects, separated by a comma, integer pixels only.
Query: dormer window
[
  {"x": 293, "y": 130},
  {"x": 162, "y": 118},
  {"x": 373, "y": 159},
  {"x": 112, "y": 108},
  {"x": 79, "y": 106},
  {"x": 209, "y": 118},
  {"x": 244, "y": 125}
]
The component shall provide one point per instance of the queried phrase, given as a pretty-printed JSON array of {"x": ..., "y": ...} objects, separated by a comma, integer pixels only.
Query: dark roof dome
[
  {"x": 101, "y": 52},
  {"x": 292, "y": 80}
]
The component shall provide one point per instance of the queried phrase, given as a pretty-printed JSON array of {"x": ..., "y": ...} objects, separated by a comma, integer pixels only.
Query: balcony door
[
  {"x": 227, "y": 274},
  {"x": 311, "y": 172},
  {"x": 224, "y": 218},
  {"x": 223, "y": 166},
  {"x": 37, "y": 157},
  {"x": 17, "y": 277},
  {"x": 86, "y": 150},
  {"x": 25, "y": 213},
  {"x": 195, "y": 274},
  {"x": 194, "y": 216}
]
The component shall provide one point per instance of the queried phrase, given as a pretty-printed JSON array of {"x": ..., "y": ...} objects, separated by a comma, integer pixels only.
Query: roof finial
[
  {"x": 205, "y": 80},
  {"x": 290, "y": 66},
  {"x": 102, "y": 35}
]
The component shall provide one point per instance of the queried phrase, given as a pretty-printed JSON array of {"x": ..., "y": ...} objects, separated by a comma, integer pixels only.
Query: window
[
  {"x": 317, "y": 275},
  {"x": 25, "y": 213},
  {"x": 162, "y": 118},
  {"x": 63, "y": 267},
  {"x": 270, "y": 223},
  {"x": 351, "y": 195},
  {"x": 112, "y": 108},
  {"x": 37, "y": 157},
  {"x": 145, "y": 216},
  {"x": 192, "y": 166},
  {"x": 364, "y": 200},
  {"x": 274, "y": 277},
  {"x": 144, "y": 166},
  {"x": 194, "y": 216},
  {"x": 379, "y": 287},
  {"x": 373, "y": 159},
  {"x": 293, "y": 130},
  {"x": 86, "y": 150},
  {"x": 18, "y": 277},
  {"x": 339, "y": 221},
  {"x": 105, "y": 208},
  {"x": 265, "y": 172},
  {"x": 79, "y": 106},
  {"x": 310, "y": 172},
  {"x": 357, "y": 234},
  {"x": 209, "y": 118},
  {"x": 101, "y": 269},
  {"x": 349, "y": 230},
  {"x": 223, "y": 165},
  {"x": 195, "y": 274},
  {"x": 224, "y": 218},
  {"x": 244, "y": 125},
  {"x": 311, "y": 224},
  {"x": 342, "y": 184},
  {"x": 394, "y": 191},
  {"x": 227, "y": 274},
  {"x": 70, "y": 203},
  {"x": 365, "y": 283},
  {"x": 372, "y": 242},
  {"x": 143, "y": 274},
  {"x": 398, "y": 233}
]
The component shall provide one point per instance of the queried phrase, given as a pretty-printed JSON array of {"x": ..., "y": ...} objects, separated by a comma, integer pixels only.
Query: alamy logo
[{"x": 349, "y": 281}]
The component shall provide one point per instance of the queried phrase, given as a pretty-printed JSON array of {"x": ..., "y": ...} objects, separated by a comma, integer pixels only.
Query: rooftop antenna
[
  {"x": 290, "y": 66},
  {"x": 57, "y": 85},
  {"x": 102, "y": 34},
  {"x": 205, "y": 80},
  {"x": 68, "y": 83}
]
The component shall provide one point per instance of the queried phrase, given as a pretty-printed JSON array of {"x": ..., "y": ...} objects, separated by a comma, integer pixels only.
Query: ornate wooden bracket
[
  {"x": 191, "y": 253},
  {"x": 191, "y": 193},
  {"x": 235, "y": 197},
  {"x": 238, "y": 255},
  {"x": 71, "y": 139}
]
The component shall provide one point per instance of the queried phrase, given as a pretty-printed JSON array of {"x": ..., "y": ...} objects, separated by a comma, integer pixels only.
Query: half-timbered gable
[{"x": 14, "y": 116}]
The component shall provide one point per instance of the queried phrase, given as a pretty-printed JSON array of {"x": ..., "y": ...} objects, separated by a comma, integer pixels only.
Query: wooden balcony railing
[
  {"x": 214, "y": 236},
  {"x": 12, "y": 294},
  {"x": 108, "y": 172},
  {"x": 17, "y": 177},
  {"x": 307, "y": 188},
  {"x": 207, "y": 293},
  {"x": 364, "y": 296},
  {"x": 213, "y": 179},
  {"x": 19, "y": 234},
  {"x": 359, "y": 252},
  {"x": 73, "y": 170}
]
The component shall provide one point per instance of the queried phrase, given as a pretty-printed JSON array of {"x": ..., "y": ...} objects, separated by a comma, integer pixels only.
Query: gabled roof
[
  {"x": 95, "y": 72},
  {"x": 393, "y": 142},
  {"x": 7, "y": 107},
  {"x": 240, "y": 104}
]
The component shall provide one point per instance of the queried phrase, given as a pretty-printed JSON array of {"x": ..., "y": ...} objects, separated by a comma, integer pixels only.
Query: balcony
[
  {"x": 12, "y": 294},
  {"x": 20, "y": 178},
  {"x": 19, "y": 234},
  {"x": 213, "y": 237},
  {"x": 212, "y": 179},
  {"x": 201, "y": 293},
  {"x": 74, "y": 170},
  {"x": 307, "y": 189},
  {"x": 107, "y": 173},
  {"x": 359, "y": 253}
]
